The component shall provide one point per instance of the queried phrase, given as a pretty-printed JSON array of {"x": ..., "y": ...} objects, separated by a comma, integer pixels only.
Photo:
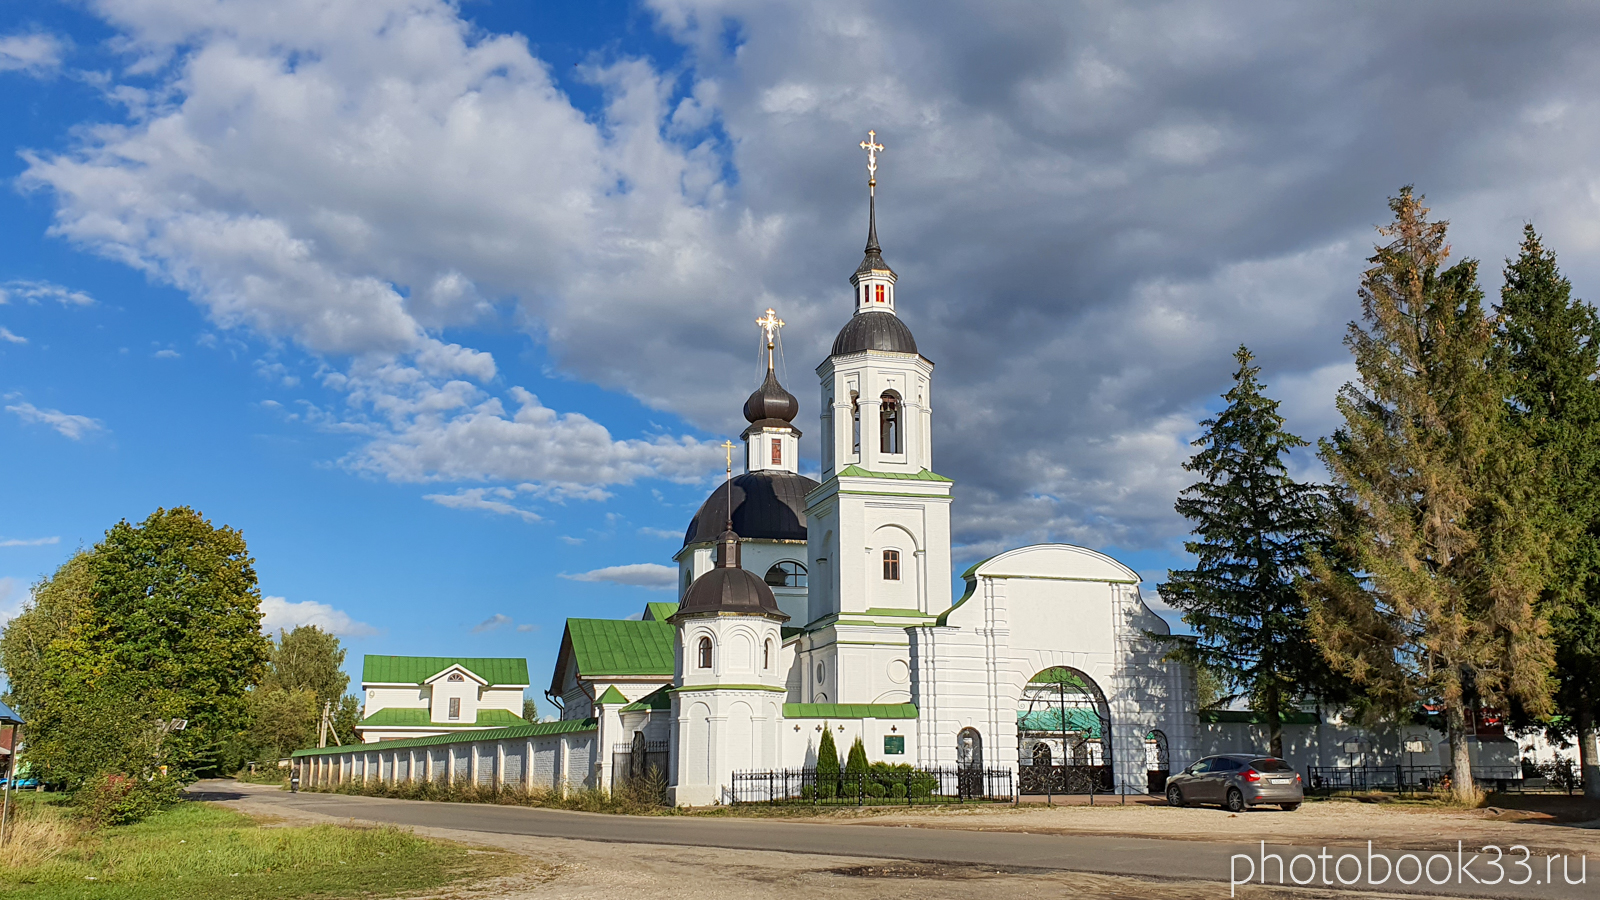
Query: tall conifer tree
[
  {"x": 1252, "y": 522},
  {"x": 1440, "y": 502},
  {"x": 1550, "y": 346}
]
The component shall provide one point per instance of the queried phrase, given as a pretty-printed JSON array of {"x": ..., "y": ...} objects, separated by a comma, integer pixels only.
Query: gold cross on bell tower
[
  {"x": 873, "y": 148},
  {"x": 770, "y": 323}
]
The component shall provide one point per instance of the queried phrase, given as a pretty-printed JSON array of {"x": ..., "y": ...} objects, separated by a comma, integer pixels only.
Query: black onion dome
[
  {"x": 729, "y": 590},
  {"x": 771, "y": 401},
  {"x": 767, "y": 506},
  {"x": 875, "y": 329}
]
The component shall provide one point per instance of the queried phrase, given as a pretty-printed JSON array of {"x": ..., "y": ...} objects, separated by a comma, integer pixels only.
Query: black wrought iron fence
[
  {"x": 1036, "y": 779},
  {"x": 878, "y": 787},
  {"x": 1400, "y": 779}
]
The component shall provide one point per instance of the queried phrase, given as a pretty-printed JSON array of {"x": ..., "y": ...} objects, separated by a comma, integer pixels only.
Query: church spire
[{"x": 873, "y": 279}]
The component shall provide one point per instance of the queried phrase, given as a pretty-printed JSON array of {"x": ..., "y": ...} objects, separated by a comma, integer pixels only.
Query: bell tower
[{"x": 879, "y": 523}]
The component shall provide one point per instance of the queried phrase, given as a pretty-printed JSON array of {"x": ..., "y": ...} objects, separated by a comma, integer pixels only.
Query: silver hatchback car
[{"x": 1238, "y": 781}]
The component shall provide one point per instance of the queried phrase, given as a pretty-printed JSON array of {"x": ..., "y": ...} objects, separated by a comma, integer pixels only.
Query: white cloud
[
  {"x": 484, "y": 499},
  {"x": 527, "y": 628},
  {"x": 665, "y": 534},
  {"x": 36, "y": 53},
  {"x": 498, "y": 620},
  {"x": 7, "y": 336},
  {"x": 30, "y": 542},
  {"x": 67, "y": 424},
  {"x": 278, "y": 613},
  {"x": 34, "y": 291},
  {"x": 14, "y": 595},
  {"x": 166, "y": 354},
  {"x": 648, "y": 575}
]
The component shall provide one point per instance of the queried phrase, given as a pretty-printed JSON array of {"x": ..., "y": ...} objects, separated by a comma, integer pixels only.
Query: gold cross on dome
[
  {"x": 872, "y": 147},
  {"x": 727, "y": 447},
  {"x": 770, "y": 323}
]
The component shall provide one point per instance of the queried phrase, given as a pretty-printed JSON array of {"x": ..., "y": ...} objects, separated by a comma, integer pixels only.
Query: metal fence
[
  {"x": 1065, "y": 779},
  {"x": 1400, "y": 779},
  {"x": 882, "y": 787}
]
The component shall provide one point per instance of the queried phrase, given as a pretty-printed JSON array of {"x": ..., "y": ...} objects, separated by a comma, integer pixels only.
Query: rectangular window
[
  {"x": 880, "y": 293},
  {"x": 455, "y": 708},
  {"x": 777, "y": 451},
  {"x": 891, "y": 565}
]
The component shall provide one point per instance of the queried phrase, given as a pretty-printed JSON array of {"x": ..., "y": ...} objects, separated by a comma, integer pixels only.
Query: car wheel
[
  {"x": 1174, "y": 796},
  {"x": 1235, "y": 800},
  {"x": 1289, "y": 807}
]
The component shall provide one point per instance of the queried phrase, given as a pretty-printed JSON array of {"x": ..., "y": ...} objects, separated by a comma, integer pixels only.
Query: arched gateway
[{"x": 1064, "y": 734}]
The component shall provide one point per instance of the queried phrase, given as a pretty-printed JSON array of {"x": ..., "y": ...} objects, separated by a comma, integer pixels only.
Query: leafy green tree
[
  {"x": 158, "y": 622},
  {"x": 283, "y": 721},
  {"x": 1549, "y": 343},
  {"x": 308, "y": 658},
  {"x": 1252, "y": 525},
  {"x": 346, "y": 713},
  {"x": 1441, "y": 511}
]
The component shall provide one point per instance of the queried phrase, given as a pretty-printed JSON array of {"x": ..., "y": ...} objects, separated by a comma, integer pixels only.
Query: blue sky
[{"x": 443, "y": 304}]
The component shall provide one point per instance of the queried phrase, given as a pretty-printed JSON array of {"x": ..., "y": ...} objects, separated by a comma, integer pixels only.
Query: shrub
[
  {"x": 121, "y": 800},
  {"x": 857, "y": 763},
  {"x": 827, "y": 765}
]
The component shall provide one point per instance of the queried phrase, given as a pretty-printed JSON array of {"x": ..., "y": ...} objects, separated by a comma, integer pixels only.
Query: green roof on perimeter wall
[
  {"x": 532, "y": 729},
  {"x": 401, "y": 717},
  {"x": 417, "y": 669},
  {"x": 622, "y": 646}
]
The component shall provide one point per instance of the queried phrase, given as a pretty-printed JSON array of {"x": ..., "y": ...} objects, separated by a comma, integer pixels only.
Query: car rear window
[{"x": 1270, "y": 765}]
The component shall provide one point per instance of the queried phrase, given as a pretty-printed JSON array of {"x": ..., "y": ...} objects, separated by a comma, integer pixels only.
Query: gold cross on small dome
[{"x": 770, "y": 323}]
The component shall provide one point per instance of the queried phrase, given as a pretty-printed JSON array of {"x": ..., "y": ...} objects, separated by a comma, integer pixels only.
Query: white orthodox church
[
  {"x": 805, "y": 605},
  {"x": 809, "y": 605}
]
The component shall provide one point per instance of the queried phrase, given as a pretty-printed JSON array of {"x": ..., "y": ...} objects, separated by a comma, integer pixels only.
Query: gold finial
[
  {"x": 770, "y": 323},
  {"x": 873, "y": 148}
]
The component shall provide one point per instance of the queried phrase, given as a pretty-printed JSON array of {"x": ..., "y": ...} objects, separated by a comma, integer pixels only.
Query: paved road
[{"x": 1110, "y": 855}]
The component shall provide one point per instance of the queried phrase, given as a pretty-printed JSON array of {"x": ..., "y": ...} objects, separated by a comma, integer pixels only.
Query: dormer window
[{"x": 455, "y": 676}]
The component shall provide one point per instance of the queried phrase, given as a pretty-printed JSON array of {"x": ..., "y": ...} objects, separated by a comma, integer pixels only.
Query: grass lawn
[{"x": 200, "y": 852}]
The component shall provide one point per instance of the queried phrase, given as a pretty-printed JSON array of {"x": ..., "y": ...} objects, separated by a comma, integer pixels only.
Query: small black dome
[
  {"x": 768, "y": 505},
  {"x": 771, "y": 401},
  {"x": 729, "y": 590},
  {"x": 875, "y": 329}
]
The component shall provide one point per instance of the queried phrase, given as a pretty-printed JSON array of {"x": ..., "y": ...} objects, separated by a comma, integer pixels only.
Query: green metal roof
[
  {"x": 658, "y": 699},
  {"x": 1078, "y": 719},
  {"x": 527, "y": 729},
  {"x": 399, "y": 717},
  {"x": 612, "y": 695},
  {"x": 858, "y": 472},
  {"x": 659, "y": 611},
  {"x": 849, "y": 710},
  {"x": 417, "y": 669},
  {"x": 622, "y": 647},
  {"x": 1250, "y": 717}
]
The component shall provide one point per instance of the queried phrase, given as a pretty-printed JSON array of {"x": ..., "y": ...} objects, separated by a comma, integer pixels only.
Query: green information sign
[{"x": 894, "y": 745}]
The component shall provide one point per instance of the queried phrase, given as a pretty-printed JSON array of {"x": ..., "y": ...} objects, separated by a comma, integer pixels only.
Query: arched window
[
  {"x": 889, "y": 422},
  {"x": 455, "y": 676},
  {"x": 969, "y": 749},
  {"x": 891, "y": 565},
  {"x": 1041, "y": 754},
  {"x": 786, "y": 574},
  {"x": 855, "y": 422},
  {"x": 766, "y": 654},
  {"x": 705, "y": 653}
]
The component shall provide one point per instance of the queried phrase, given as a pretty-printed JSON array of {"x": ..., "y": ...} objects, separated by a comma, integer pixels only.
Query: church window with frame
[
  {"x": 891, "y": 565},
  {"x": 880, "y": 293},
  {"x": 786, "y": 574},
  {"x": 889, "y": 422},
  {"x": 705, "y": 653},
  {"x": 777, "y": 451},
  {"x": 455, "y": 708},
  {"x": 766, "y": 655}
]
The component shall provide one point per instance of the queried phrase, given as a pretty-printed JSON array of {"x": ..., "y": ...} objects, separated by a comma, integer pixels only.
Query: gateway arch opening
[{"x": 1063, "y": 734}]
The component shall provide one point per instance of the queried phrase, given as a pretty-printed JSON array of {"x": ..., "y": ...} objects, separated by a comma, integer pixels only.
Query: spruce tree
[
  {"x": 827, "y": 764},
  {"x": 1439, "y": 502},
  {"x": 857, "y": 763},
  {"x": 1251, "y": 524},
  {"x": 1549, "y": 344}
]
